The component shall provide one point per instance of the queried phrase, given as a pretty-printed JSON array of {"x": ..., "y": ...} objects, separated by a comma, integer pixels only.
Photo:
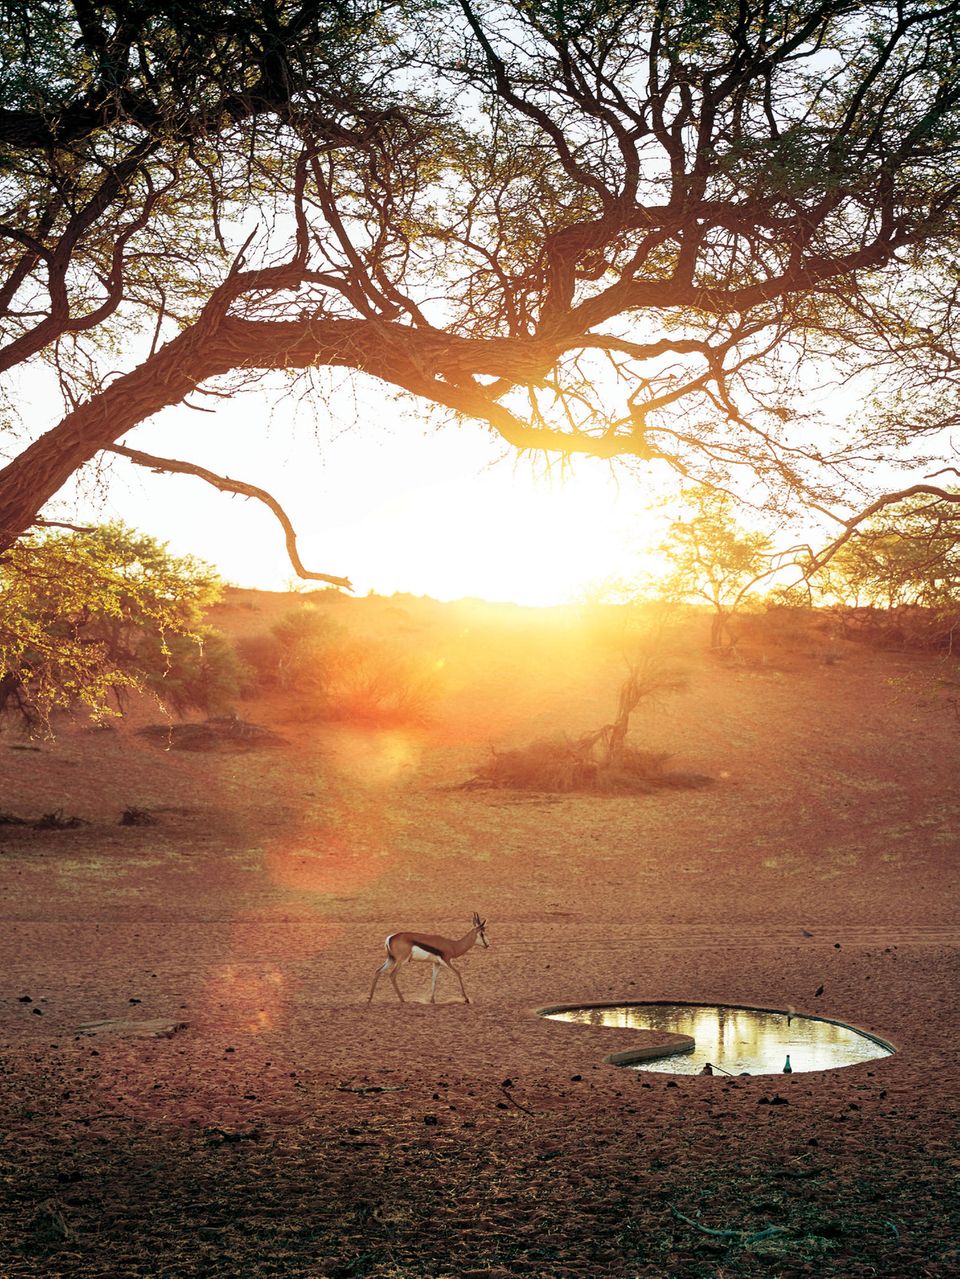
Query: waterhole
[{"x": 756, "y": 1041}]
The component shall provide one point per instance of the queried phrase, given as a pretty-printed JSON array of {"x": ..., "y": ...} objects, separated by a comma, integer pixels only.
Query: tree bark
[
  {"x": 436, "y": 366},
  {"x": 33, "y": 477}
]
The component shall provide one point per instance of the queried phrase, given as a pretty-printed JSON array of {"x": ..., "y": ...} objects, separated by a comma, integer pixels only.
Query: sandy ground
[{"x": 292, "y": 1129}]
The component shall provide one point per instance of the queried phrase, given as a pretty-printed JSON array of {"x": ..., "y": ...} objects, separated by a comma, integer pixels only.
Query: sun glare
[{"x": 430, "y": 513}]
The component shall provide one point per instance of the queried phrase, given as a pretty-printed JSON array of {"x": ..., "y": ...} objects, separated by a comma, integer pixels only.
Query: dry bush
[
  {"x": 551, "y": 764},
  {"x": 297, "y": 654},
  {"x": 371, "y": 685},
  {"x": 564, "y": 765},
  {"x": 337, "y": 677},
  {"x": 908, "y": 627}
]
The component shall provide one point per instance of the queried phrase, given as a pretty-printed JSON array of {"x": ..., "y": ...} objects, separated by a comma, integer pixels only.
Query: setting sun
[{"x": 445, "y": 515}]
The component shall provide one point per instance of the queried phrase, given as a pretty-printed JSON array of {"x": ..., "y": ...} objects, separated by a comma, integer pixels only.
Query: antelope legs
[
  {"x": 389, "y": 966},
  {"x": 459, "y": 979}
]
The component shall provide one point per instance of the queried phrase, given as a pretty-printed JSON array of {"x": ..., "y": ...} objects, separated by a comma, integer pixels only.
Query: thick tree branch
[{"x": 822, "y": 558}]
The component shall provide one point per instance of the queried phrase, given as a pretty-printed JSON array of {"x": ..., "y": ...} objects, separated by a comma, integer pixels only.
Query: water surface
[{"x": 737, "y": 1039}]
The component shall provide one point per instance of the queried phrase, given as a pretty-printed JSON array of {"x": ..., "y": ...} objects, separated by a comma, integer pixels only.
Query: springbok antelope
[{"x": 428, "y": 948}]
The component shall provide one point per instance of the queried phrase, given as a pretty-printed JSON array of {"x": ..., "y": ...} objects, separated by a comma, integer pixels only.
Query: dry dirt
[{"x": 291, "y": 1129}]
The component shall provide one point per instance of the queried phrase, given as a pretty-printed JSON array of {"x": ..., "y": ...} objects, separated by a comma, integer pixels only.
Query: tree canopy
[
  {"x": 87, "y": 616},
  {"x": 906, "y": 555},
  {"x": 604, "y": 227},
  {"x": 715, "y": 559}
]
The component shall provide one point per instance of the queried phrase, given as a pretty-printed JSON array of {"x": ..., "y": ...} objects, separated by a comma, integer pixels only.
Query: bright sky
[{"x": 384, "y": 498}]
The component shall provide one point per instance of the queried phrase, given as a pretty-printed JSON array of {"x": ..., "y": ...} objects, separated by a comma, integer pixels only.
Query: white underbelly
[{"x": 427, "y": 956}]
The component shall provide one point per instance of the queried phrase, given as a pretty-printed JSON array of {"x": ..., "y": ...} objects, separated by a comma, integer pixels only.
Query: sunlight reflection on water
[{"x": 737, "y": 1039}]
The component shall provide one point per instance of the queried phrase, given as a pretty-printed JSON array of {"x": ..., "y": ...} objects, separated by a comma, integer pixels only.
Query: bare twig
[
  {"x": 513, "y": 1101},
  {"x": 75, "y": 528},
  {"x": 741, "y": 1236},
  {"x": 227, "y": 485}
]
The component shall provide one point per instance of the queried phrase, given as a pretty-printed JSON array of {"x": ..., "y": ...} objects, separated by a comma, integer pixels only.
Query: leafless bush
[
  {"x": 565, "y": 765},
  {"x": 57, "y": 820},
  {"x": 137, "y": 817}
]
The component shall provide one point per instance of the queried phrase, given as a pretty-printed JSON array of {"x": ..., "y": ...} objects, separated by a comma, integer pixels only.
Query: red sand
[{"x": 258, "y": 1140}]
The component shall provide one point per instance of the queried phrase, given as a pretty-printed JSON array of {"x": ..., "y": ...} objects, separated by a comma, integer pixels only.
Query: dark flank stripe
[{"x": 421, "y": 945}]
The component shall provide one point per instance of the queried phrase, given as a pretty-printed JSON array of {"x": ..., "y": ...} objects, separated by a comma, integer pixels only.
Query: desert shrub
[
  {"x": 337, "y": 676},
  {"x": 563, "y": 765},
  {"x": 550, "y": 764},
  {"x": 907, "y": 627},
  {"x": 374, "y": 686},
  {"x": 298, "y": 653},
  {"x": 260, "y": 656}
]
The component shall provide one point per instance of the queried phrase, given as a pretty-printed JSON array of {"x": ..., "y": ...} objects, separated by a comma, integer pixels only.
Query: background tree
[
  {"x": 715, "y": 559},
  {"x": 617, "y": 228},
  {"x": 907, "y": 555},
  {"x": 644, "y": 635},
  {"x": 903, "y": 566},
  {"x": 86, "y": 617},
  {"x": 647, "y": 642}
]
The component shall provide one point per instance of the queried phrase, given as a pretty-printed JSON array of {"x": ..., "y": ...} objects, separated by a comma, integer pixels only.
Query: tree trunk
[
  {"x": 33, "y": 477},
  {"x": 616, "y": 733}
]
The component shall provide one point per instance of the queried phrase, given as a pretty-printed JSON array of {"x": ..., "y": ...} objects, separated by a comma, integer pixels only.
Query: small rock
[
  {"x": 430, "y": 1120},
  {"x": 24, "y": 999}
]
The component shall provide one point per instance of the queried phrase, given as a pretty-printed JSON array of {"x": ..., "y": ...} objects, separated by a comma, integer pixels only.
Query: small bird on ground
[
  {"x": 787, "y": 1068},
  {"x": 818, "y": 992}
]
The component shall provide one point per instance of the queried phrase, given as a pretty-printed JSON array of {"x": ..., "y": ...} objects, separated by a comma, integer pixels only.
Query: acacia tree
[
  {"x": 908, "y": 555},
  {"x": 87, "y": 616},
  {"x": 602, "y": 227},
  {"x": 715, "y": 559}
]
